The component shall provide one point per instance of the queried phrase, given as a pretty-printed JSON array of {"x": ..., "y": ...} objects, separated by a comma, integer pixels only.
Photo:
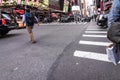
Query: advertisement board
[
  {"x": 54, "y": 4},
  {"x": 75, "y": 8},
  {"x": 66, "y": 4}
]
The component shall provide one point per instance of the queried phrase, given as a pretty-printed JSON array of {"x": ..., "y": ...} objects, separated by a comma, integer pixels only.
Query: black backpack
[{"x": 30, "y": 19}]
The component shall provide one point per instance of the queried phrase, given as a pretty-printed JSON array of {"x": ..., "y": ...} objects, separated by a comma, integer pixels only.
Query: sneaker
[{"x": 33, "y": 42}]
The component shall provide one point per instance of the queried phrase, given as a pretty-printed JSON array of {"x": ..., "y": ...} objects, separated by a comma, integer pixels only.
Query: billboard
[
  {"x": 66, "y": 5},
  {"x": 54, "y": 4},
  {"x": 75, "y": 8}
]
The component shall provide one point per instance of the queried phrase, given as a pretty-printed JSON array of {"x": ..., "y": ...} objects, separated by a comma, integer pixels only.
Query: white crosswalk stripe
[
  {"x": 91, "y": 54},
  {"x": 86, "y": 35},
  {"x": 85, "y": 23},
  {"x": 95, "y": 31},
  {"x": 94, "y": 43}
]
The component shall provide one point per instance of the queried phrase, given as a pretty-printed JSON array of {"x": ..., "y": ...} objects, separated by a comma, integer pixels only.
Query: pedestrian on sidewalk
[{"x": 29, "y": 18}]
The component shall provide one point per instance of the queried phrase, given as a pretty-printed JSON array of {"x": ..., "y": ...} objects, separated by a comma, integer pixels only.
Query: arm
[
  {"x": 114, "y": 12},
  {"x": 36, "y": 20},
  {"x": 23, "y": 19}
]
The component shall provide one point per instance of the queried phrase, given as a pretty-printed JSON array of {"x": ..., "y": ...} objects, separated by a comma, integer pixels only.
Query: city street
[
  {"x": 64, "y": 51},
  {"x": 21, "y": 60}
]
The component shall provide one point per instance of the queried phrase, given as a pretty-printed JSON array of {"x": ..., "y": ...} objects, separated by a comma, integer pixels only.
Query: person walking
[
  {"x": 114, "y": 14},
  {"x": 28, "y": 18},
  {"x": 113, "y": 20}
]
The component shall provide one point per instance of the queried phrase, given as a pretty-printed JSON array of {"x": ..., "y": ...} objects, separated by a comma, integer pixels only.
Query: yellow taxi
[{"x": 19, "y": 21}]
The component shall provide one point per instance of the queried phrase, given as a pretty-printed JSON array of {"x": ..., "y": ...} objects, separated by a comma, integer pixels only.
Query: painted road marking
[
  {"x": 91, "y": 55},
  {"x": 94, "y": 43},
  {"x": 95, "y": 31},
  {"x": 103, "y": 36},
  {"x": 85, "y": 23}
]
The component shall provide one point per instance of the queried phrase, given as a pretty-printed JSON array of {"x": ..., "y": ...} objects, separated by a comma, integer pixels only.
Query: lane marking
[
  {"x": 103, "y": 36},
  {"x": 91, "y": 55},
  {"x": 95, "y": 31},
  {"x": 85, "y": 23},
  {"x": 94, "y": 43}
]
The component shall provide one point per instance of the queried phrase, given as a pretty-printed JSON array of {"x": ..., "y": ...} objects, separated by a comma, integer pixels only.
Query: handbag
[
  {"x": 113, "y": 33},
  {"x": 113, "y": 54}
]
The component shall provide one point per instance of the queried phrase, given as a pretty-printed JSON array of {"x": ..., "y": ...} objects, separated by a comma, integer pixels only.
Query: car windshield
[{"x": 6, "y": 16}]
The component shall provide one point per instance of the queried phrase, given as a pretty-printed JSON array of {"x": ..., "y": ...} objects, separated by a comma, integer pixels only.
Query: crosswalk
[{"x": 93, "y": 38}]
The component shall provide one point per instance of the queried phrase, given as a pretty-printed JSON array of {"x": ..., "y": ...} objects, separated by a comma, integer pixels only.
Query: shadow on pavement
[{"x": 9, "y": 35}]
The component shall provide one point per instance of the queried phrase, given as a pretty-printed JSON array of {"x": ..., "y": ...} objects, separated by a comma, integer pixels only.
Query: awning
[{"x": 19, "y": 11}]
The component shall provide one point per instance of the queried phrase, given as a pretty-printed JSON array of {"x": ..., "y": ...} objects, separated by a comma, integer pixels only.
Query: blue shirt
[
  {"x": 114, "y": 12},
  {"x": 24, "y": 18}
]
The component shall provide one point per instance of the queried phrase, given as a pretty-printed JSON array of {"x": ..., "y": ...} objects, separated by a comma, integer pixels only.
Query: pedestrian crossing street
[{"x": 93, "y": 38}]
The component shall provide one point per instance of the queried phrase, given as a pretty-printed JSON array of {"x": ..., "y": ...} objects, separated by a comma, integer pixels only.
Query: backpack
[{"x": 29, "y": 19}]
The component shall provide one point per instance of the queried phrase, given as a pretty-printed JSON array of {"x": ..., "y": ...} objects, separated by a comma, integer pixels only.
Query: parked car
[
  {"x": 7, "y": 23},
  {"x": 102, "y": 20}
]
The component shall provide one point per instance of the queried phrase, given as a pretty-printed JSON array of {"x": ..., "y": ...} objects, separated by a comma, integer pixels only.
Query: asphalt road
[
  {"x": 85, "y": 58},
  {"x": 64, "y": 51},
  {"x": 21, "y": 60}
]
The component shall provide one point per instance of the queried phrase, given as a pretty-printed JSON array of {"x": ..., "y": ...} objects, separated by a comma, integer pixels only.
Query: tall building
[
  {"x": 61, "y": 3},
  {"x": 83, "y": 7}
]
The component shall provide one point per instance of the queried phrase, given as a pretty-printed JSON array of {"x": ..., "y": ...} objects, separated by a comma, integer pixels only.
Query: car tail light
[{"x": 3, "y": 22}]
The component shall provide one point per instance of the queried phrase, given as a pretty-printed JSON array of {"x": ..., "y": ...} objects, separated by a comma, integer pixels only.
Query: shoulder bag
[{"x": 113, "y": 33}]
